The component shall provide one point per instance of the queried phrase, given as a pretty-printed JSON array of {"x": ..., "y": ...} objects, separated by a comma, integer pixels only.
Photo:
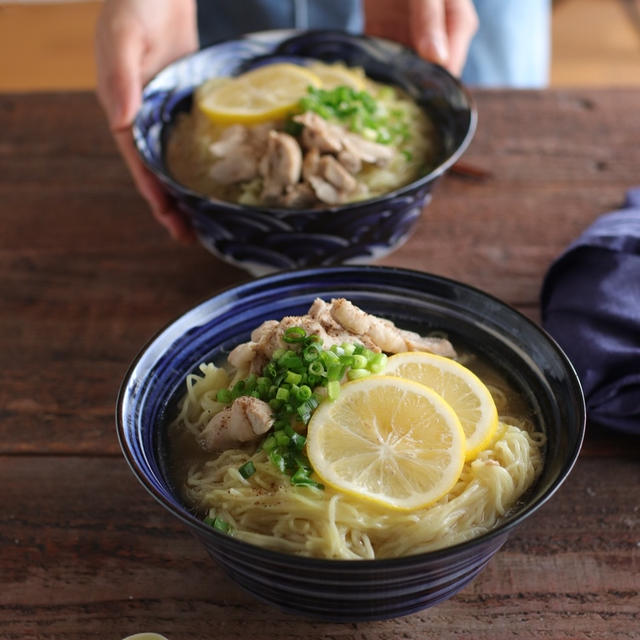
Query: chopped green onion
[
  {"x": 378, "y": 363},
  {"x": 348, "y": 348},
  {"x": 224, "y": 395},
  {"x": 335, "y": 372},
  {"x": 359, "y": 362},
  {"x": 294, "y": 334},
  {"x": 333, "y": 389},
  {"x": 298, "y": 441},
  {"x": 278, "y": 461},
  {"x": 282, "y": 439},
  {"x": 346, "y": 360},
  {"x": 329, "y": 355},
  {"x": 238, "y": 389},
  {"x": 269, "y": 444},
  {"x": 306, "y": 408},
  {"x": 293, "y": 378},
  {"x": 311, "y": 352},
  {"x": 281, "y": 425},
  {"x": 303, "y": 393},
  {"x": 316, "y": 368},
  {"x": 356, "y": 374},
  {"x": 282, "y": 394},
  {"x": 291, "y": 361},
  {"x": 292, "y": 127},
  {"x": 219, "y": 524},
  {"x": 247, "y": 469},
  {"x": 301, "y": 478}
]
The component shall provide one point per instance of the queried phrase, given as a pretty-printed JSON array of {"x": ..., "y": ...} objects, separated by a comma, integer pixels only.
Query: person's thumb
[
  {"x": 119, "y": 53},
  {"x": 429, "y": 30}
]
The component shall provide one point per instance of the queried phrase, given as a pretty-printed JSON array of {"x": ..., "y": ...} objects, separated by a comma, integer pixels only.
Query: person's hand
[
  {"x": 134, "y": 40},
  {"x": 439, "y": 30}
]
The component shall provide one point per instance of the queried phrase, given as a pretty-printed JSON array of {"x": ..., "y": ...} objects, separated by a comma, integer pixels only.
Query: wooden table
[{"x": 87, "y": 277}]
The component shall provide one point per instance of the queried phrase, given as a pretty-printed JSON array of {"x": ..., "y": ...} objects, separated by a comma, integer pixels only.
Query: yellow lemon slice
[
  {"x": 265, "y": 93},
  {"x": 337, "y": 75},
  {"x": 462, "y": 389},
  {"x": 387, "y": 440}
]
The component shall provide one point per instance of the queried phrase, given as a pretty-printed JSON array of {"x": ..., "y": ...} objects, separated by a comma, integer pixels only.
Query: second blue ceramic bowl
[
  {"x": 266, "y": 240},
  {"x": 352, "y": 590}
]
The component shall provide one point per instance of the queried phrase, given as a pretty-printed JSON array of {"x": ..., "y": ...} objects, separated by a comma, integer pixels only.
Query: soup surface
[
  {"x": 249, "y": 472},
  {"x": 288, "y": 136}
]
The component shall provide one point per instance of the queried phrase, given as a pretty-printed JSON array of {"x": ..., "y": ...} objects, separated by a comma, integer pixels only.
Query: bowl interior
[
  {"x": 170, "y": 92},
  {"x": 522, "y": 351}
]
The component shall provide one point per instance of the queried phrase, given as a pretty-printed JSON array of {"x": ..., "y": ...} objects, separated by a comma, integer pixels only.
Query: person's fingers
[
  {"x": 429, "y": 30},
  {"x": 119, "y": 51},
  {"x": 162, "y": 206},
  {"x": 462, "y": 23}
]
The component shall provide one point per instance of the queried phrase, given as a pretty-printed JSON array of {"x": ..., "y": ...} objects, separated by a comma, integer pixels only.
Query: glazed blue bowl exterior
[
  {"x": 351, "y": 590},
  {"x": 263, "y": 240}
]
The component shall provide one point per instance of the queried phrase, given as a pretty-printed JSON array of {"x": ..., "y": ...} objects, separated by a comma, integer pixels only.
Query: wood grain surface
[{"x": 87, "y": 277}]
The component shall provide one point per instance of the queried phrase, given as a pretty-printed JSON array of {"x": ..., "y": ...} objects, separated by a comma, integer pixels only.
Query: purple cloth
[{"x": 591, "y": 306}]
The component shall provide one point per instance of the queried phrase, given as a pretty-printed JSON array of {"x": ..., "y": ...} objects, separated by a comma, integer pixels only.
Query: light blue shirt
[
  {"x": 510, "y": 49},
  {"x": 512, "y": 45}
]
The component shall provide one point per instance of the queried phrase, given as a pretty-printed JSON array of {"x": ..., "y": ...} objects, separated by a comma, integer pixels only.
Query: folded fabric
[{"x": 591, "y": 305}]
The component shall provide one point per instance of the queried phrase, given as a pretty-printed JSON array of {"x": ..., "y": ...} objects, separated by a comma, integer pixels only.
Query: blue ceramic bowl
[
  {"x": 351, "y": 590},
  {"x": 266, "y": 240}
]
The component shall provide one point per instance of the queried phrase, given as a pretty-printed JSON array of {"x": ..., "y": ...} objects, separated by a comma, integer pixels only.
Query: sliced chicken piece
[
  {"x": 258, "y": 136},
  {"x": 384, "y": 333},
  {"x": 334, "y": 173},
  {"x": 310, "y": 163},
  {"x": 281, "y": 165},
  {"x": 350, "y": 161},
  {"x": 239, "y": 166},
  {"x": 231, "y": 138},
  {"x": 298, "y": 196},
  {"x": 321, "y": 311},
  {"x": 319, "y": 134},
  {"x": 242, "y": 356},
  {"x": 325, "y": 191},
  {"x": 245, "y": 420},
  {"x": 332, "y": 183},
  {"x": 439, "y": 346},
  {"x": 366, "y": 150},
  {"x": 263, "y": 330}
]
